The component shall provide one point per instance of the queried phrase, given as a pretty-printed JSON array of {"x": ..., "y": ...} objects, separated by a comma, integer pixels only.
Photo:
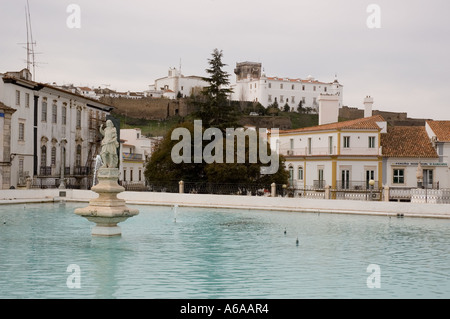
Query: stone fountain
[{"x": 107, "y": 210}]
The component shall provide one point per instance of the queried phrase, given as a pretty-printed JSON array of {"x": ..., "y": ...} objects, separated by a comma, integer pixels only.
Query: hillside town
[
  {"x": 51, "y": 138},
  {"x": 250, "y": 152}
]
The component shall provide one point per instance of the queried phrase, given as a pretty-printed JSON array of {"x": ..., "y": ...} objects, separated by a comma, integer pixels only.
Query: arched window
[
  {"x": 291, "y": 173},
  {"x": 78, "y": 156},
  {"x": 53, "y": 156},
  {"x": 43, "y": 156},
  {"x": 300, "y": 173}
]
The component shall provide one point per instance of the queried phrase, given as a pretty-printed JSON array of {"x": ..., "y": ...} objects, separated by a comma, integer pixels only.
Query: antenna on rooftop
[{"x": 31, "y": 62}]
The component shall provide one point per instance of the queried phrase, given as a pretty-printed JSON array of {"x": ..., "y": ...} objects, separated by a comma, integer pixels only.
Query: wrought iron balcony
[{"x": 131, "y": 156}]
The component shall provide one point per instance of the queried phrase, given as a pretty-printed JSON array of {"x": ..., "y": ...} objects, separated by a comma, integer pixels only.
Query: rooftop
[
  {"x": 407, "y": 141},
  {"x": 367, "y": 123},
  {"x": 441, "y": 129}
]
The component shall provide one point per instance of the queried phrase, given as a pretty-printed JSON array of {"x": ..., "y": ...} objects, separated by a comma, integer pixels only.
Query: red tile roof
[
  {"x": 441, "y": 129},
  {"x": 367, "y": 123},
  {"x": 407, "y": 141}
]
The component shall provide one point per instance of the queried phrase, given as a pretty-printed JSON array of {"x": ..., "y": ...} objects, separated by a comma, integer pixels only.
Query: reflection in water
[{"x": 221, "y": 254}]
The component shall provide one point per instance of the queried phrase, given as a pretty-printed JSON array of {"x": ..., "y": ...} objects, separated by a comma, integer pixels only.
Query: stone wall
[
  {"x": 393, "y": 118},
  {"x": 148, "y": 108}
]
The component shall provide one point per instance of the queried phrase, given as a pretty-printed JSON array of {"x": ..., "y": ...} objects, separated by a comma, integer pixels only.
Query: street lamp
[{"x": 371, "y": 183}]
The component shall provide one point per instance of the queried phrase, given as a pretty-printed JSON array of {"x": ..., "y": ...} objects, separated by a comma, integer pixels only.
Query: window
[
  {"x": 325, "y": 89},
  {"x": 303, "y": 100},
  {"x": 345, "y": 179},
  {"x": 21, "y": 131},
  {"x": 64, "y": 115},
  {"x": 44, "y": 111},
  {"x": 17, "y": 97},
  {"x": 281, "y": 98},
  {"x": 300, "y": 172},
  {"x": 346, "y": 141},
  {"x": 370, "y": 175},
  {"x": 371, "y": 141},
  {"x": 399, "y": 176},
  {"x": 291, "y": 143},
  {"x": 53, "y": 156},
  {"x": 27, "y": 99},
  {"x": 293, "y": 86},
  {"x": 314, "y": 88},
  {"x": 293, "y": 99},
  {"x": 78, "y": 156},
  {"x": 21, "y": 166},
  {"x": 291, "y": 174},
  {"x": 270, "y": 98},
  {"x": 281, "y": 85},
  {"x": 321, "y": 183},
  {"x": 54, "y": 113},
  {"x": 309, "y": 145},
  {"x": 303, "y": 87},
  {"x": 330, "y": 144},
  {"x": 140, "y": 175},
  {"x": 428, "y": 178},
  {"x": 78, "y": 118},
  {"x": 124, "y": 174},
  {"x": 270, "y": 85},
  {"x": 43, "y": 156}
]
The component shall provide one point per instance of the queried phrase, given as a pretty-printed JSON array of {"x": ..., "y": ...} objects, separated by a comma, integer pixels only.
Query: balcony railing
[
  {"x": 132, "y": 156},
  {"x": 319, "y": 184},
  {"x": 45, "y": 171},
  {"x": 317, "y": 151},
  {"x": 82, "y": 170},
  {"x": 354, "y": 185}
]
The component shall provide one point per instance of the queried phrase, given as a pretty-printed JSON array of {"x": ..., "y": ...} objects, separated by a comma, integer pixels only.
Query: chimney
[
  {"x": 328, "y": 108},
  {"x": 368, "y": 102}
]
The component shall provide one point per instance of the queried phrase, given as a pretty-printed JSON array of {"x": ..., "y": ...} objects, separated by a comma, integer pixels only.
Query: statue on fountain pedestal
[
  {"x": 109, "y": 145},
  {"x": 106, "y": 211}
]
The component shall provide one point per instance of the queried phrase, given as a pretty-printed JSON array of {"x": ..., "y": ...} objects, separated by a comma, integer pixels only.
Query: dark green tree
[{"x": 216, "y": 110}]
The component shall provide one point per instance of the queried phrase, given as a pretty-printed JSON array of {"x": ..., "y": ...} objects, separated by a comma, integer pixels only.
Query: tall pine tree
[{"x": 216, "y": 110}]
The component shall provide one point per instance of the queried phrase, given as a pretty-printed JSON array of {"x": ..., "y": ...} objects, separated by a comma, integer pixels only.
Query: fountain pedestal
[{"x": 107, "y": 210}]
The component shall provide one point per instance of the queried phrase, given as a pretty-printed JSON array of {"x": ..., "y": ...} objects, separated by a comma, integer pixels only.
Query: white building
[
  {"x": 176, "y": 83},
  {"x": 342, "y": 155},
  {"x": 136, "y": 151},
  {"x": 404, "y": 147},
  {"x": 252, "y": 85},
  {"x": 347, "y": 155},
  {"x": 50, "y": 131}
]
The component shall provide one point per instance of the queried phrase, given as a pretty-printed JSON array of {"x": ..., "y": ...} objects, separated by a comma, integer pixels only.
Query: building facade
[
  {"x": 176, "y": 83},
  {"x": 53, "y": 133},
  {"x": 350, "y": 155},
  {"x": 136, "y": 151},
  {"x": 253, "y": 85}
]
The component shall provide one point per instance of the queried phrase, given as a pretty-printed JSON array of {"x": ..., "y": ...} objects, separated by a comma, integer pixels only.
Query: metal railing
[
  {"x": 315, "y": 151},
  {"x": 353, "y": 185},
  {"x": 132, "y": 156},
  {"x": 45, "y": 171},
  {"x": 199, "y": 187}
]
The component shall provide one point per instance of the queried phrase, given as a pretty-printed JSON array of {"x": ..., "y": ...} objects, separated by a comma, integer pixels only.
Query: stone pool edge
[{"x": 237, "y": 202}]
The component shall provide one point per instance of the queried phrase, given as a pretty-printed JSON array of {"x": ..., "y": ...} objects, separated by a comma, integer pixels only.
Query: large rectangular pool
[{"x": 46, "y": 251}]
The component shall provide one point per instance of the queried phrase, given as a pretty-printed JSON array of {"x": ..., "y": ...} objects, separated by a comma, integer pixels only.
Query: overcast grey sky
[{"x": 404, "y": 64}]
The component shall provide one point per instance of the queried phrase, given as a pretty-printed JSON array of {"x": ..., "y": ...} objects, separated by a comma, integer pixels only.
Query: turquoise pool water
[{"x": 214, "y": 253}]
